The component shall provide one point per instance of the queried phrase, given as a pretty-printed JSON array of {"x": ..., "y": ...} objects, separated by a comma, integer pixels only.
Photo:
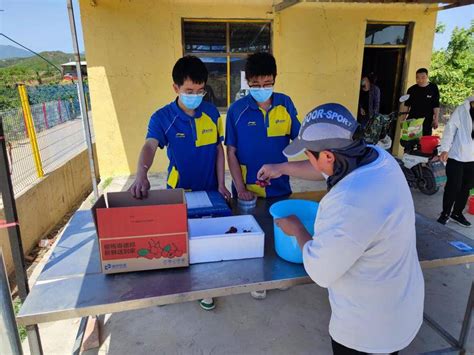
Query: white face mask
[{"x": 325, "y": 176}]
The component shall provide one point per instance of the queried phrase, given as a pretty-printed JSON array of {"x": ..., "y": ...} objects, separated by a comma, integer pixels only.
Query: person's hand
[
  {"x": 435, "y": 123},
  {"x": 290, "y": 225},
  {"x": 403, "y": 120},
  {"x": 443, "y": 157},
  {"x": 362, "y": 111},
  {"x": 269, "y": 171},
  {"x": 224, "y": 192},
  {"x": 140, "y": 187},
  {"x": 262, "y": 183},
  {"x": 245, "y": 195}
]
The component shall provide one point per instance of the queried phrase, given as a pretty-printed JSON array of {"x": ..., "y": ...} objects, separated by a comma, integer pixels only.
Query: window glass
[
  {"x": 204, "y": 37},
  {"x": 249, "y": 37},
  {"x": 385, "y": 34}
]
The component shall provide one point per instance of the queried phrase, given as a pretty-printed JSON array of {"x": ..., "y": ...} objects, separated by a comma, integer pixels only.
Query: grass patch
[
  {"x": 104, "y": 184},
  {"x": 107, "y": 182},
  {"x": 21, "y": 329}
]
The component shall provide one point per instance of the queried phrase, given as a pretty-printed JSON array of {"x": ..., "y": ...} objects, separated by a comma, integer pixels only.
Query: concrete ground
[{"x": 286, "y": 322}]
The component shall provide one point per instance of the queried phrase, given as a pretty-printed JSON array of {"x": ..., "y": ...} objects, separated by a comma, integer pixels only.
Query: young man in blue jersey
[
  {"x": 192, "y": 131},
  {"x": 258, "y": 127}
]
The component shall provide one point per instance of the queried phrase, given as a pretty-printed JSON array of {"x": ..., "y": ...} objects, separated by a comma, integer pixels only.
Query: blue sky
[
  {"x": 44, "y": 25},
  {"x": 460, "y": 17},
  {"x": 39, "y": 24}
]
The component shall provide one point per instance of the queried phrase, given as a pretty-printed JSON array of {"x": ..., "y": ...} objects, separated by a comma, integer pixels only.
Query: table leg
[
  {"x": 457, "y": 344},
  {"x": 466, "y": 324},
  {"x": 34, "y": 340},
  {"x": 9, "y": 338},
  {"x": 80, "y": 336}
]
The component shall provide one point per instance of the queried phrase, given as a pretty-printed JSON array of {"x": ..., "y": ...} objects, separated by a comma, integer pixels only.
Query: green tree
[
  {"x": 452, "y": 69},
  {"x": 9, "y": 98},
  {"x": 440, "y": 27}
]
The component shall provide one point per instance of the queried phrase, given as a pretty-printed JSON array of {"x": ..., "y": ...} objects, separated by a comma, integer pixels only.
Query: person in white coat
[
  {"x": 364, "y": 245},
  {"x": 457, "y": 149}
]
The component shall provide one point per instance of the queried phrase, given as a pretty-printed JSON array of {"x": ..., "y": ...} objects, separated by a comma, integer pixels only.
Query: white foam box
[{"x": 209, "y": 242}]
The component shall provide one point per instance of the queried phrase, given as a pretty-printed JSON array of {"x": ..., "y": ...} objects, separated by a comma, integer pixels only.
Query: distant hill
[
  {"x": 7, "y": 52},
  {"x": 36, "y": 63},
  {"x": 31, "y": 71}
]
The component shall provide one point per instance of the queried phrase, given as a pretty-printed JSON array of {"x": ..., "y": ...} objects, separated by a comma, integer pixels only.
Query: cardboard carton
[{"x": 145, "y": 234}]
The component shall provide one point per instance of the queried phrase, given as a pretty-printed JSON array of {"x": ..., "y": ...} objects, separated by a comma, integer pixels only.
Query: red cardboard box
[{"x": 145, "y": 234}]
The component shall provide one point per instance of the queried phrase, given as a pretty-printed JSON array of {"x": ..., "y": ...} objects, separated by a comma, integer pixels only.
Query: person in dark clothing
[
  {"x": 424, "y": 101},
  {"x": 339, "y": 349},
  {"x": 210, "y": 96},
  {"x": 369, "y": 99}
]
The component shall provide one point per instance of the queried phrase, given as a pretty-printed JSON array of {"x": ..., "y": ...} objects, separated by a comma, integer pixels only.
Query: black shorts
[{"x": 339, "y": 349}]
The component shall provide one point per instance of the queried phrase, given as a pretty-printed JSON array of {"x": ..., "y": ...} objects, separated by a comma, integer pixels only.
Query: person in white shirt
[
  {"x": 457, "y": 149},
  {"x": 364, "y": 245}
]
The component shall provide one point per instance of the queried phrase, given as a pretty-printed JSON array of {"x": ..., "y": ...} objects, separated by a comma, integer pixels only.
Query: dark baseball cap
[{"x": 326, "y": 127}]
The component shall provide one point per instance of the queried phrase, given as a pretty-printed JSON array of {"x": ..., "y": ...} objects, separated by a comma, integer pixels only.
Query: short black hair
[
  {"x": 371, "y": 76},
  {"x": 422, "y": 70},
  {"x": 260, "y": 64},
  {"x": 189, "y": 67},
  {"x": 313, "y": 153}
]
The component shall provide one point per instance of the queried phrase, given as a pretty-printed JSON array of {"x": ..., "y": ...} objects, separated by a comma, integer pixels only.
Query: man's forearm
[
  {"x": 303, "y": 237},
  {"x": 220, "y": 165},
  {"x": 301, "y": 169},
  {"x": 405, "y": 110},
  {"x": 145, "y": 160},
  {"x": 235, "y": 171},
  {"x": 436, "y": 113}
]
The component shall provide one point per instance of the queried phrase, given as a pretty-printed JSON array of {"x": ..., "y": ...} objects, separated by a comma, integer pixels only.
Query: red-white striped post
[
  {"x": 59, "y": 110},
  {"x": 45, "y": 116}
]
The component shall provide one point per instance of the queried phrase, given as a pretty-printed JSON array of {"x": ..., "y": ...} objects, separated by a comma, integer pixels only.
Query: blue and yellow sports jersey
[
  {"x": 191, "y": 144},
  {"x": 260, "y": 138}
]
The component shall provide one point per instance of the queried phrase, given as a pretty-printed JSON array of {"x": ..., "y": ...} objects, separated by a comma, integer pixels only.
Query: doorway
[
  {"x": 387, "y": 66},
  {"x": 385, "y": 48}
]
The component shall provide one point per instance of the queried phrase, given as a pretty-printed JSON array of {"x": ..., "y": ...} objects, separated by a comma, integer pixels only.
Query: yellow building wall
[{"x": 131, "y": 47}]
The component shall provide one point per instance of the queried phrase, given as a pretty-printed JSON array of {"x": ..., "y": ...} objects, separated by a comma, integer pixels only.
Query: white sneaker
[
  {"x": 259, "y": 295},
  {"x": 207, "y": 304}
]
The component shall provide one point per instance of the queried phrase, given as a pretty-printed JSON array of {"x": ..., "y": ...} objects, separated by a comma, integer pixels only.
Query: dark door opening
[{"x": 387, "y": 65}]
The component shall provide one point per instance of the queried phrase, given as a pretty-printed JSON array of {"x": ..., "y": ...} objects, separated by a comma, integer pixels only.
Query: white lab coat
[
  {"x": 457, "y": 139},
  {"x": 364, "y": 252}
]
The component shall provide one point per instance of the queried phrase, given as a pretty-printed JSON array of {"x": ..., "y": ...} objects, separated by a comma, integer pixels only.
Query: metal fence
[
  {"x": 59, "y": 136},
  {"x": 62, "y": 138}
]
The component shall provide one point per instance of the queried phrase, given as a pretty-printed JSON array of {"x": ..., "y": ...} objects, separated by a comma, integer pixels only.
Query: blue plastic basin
[{"x": 287, "y": 246}]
